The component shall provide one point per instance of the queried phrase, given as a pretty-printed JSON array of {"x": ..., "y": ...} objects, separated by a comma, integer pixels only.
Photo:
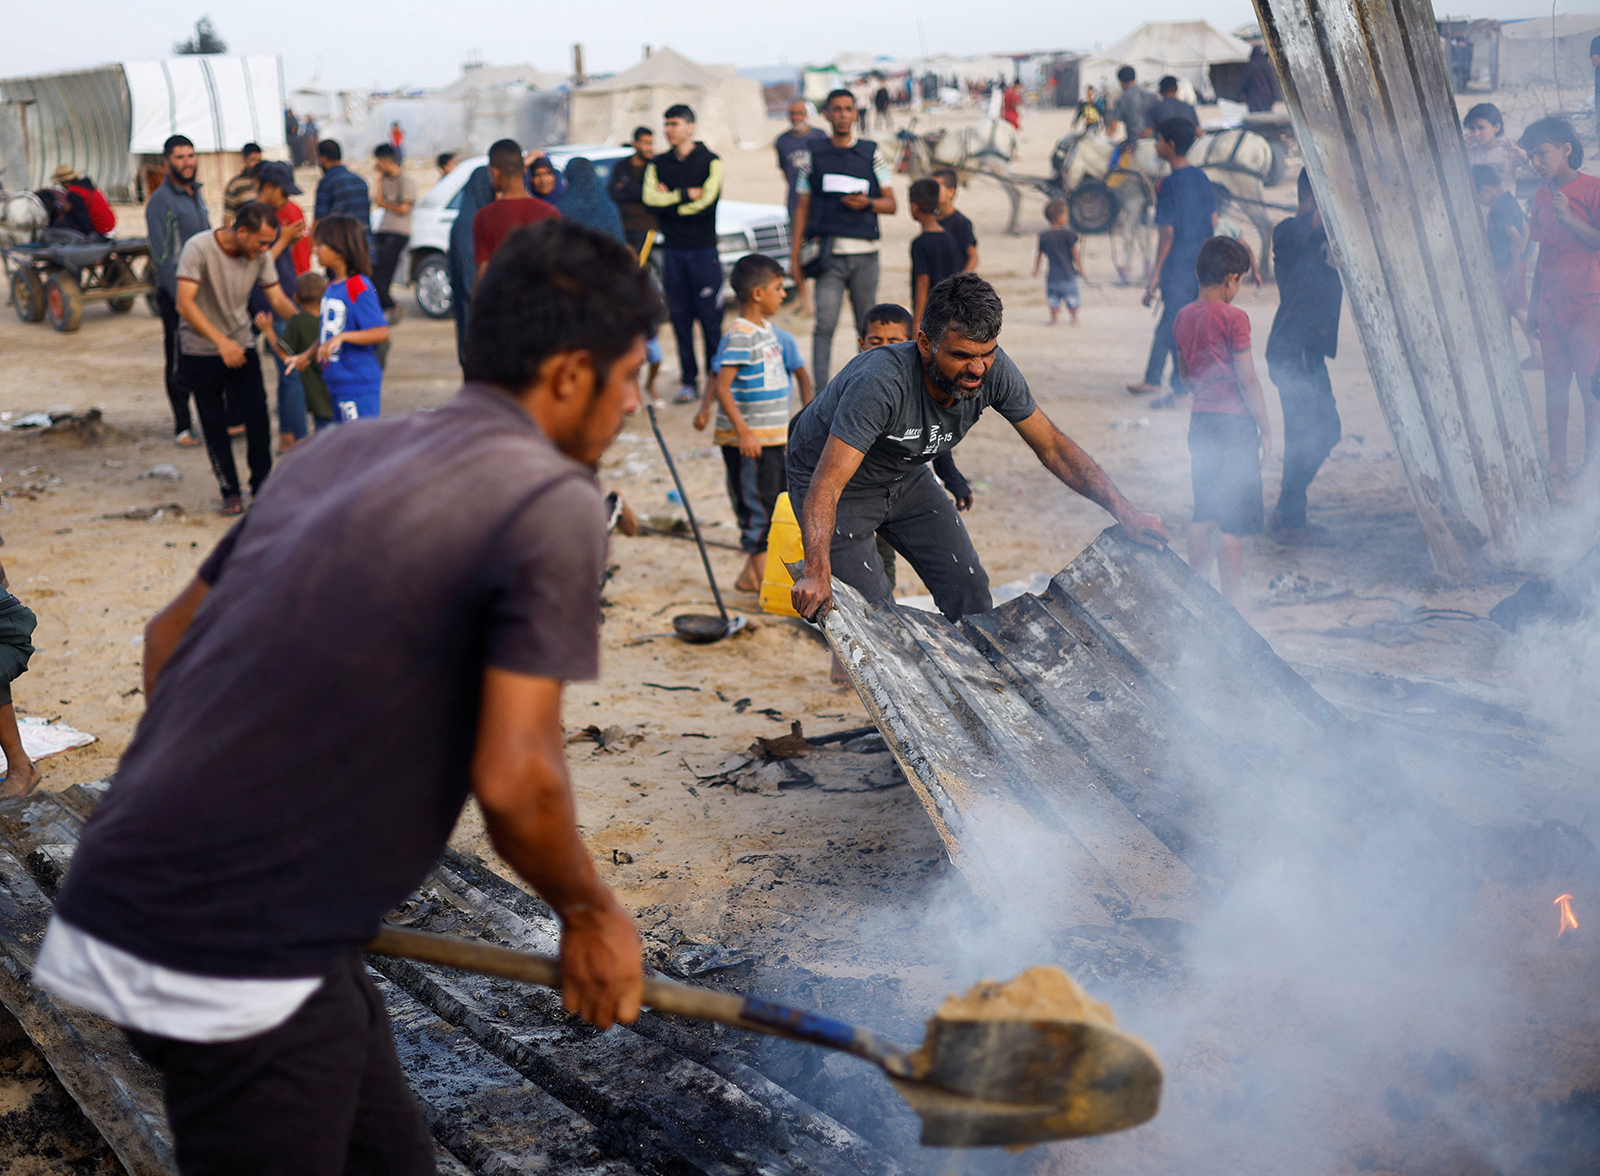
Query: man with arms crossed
[
  {"x": 435, "y": 577},
  {"x": 859, "y": 453}
]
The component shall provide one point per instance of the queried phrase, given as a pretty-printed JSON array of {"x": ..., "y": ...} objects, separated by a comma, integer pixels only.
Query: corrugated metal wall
[{"x": 83, "y": 118}]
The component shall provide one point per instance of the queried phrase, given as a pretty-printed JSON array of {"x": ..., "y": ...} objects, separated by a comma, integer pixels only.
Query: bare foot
[
  {"x": 285, "y": 443},
  {"x": 750, "y": 578},
  {"x": 20, "y": 780}
]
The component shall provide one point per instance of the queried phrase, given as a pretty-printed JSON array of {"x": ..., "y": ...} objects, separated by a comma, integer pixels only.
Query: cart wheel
[
  {"x": 27, "y": 293},
  {"x": 63, "y": 301},
  {"x": 1092, "y": 207},
  {"x": 120, "y": 273}
]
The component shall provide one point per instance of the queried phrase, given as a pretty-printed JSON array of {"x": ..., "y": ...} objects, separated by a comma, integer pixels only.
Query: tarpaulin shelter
[
  {"x": 102, "y": 120},
  {"x": 1549, "y": 51},
  {"x": 729, "y": 110},
  {"x": 1186, "y": 49}
]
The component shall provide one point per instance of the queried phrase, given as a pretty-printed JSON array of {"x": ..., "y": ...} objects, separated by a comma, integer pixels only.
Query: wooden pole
[{"x": 1369, "y": 95}]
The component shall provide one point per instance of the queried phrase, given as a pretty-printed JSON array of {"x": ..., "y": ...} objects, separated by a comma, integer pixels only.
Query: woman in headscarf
[
  {"x": 586, "y": 200},
  {"x": 478, "y": 193},
  {"x": 545, "y": 182}
]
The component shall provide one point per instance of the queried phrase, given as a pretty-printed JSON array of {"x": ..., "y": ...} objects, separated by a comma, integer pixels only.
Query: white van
[{"x": 741, "y": 227}]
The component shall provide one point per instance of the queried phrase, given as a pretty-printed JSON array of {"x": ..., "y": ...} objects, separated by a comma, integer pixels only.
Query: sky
[{"x": 385, "y": 44}]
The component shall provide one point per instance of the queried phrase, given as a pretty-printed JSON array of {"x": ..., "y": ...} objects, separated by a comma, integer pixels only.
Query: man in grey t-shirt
[
  {"x": 858, "y": 457},
  {"x": 217, "y": 359}
]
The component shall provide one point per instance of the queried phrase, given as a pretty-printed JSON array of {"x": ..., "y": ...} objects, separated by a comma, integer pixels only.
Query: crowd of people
[{"x": 488, "y": 512}]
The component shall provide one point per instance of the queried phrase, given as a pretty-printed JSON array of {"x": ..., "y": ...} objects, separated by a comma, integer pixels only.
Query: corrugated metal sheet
[
  {"x": 1080, "y": 737},
  {"x": 83, "y": 118}
]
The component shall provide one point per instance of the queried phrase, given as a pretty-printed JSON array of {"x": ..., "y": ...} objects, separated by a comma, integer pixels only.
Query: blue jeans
[
  {"x": 291, "y": 393},
  {"x": 692, "y": 282}
]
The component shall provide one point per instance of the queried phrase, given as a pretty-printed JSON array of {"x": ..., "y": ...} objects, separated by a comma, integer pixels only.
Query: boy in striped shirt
[{"x": 752, "y": 391}]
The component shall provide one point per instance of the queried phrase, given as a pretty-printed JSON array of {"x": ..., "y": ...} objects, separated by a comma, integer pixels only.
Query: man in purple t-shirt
[{"x": 407, "y": 597}]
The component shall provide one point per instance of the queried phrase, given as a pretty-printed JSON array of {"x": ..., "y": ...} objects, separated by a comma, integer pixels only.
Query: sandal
[
  {"x": 232, "y": 505},
  {"x": 186, "y": 439}
]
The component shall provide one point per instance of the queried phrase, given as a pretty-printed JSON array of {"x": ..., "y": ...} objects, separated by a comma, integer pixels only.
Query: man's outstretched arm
[
  {"x": 1063, "y": 457},
  {"x": 519, "y": 775},
  {"x": 812, "y": 595}
]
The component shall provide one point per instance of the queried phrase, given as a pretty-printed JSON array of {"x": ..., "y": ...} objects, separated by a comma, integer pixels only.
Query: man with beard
[
  {"x": 175, "y": 212},
  {"x": 859, "y": 453}
]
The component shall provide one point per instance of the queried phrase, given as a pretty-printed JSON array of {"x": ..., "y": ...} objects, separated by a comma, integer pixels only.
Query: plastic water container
[{"x": 784, "y": 546}]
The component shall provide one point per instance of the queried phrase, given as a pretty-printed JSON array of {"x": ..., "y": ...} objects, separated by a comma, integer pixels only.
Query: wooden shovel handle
[{"x": 533, "y": 968}]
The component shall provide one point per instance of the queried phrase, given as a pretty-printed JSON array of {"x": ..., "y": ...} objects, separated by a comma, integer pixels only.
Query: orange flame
[{"x": 1569, "y": 921}]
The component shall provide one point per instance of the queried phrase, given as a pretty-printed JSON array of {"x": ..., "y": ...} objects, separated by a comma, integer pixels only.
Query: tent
[
  {"x": 1186, "y": 49},
  {"x": 101, "y": 120},
  {"x": 1548, "y": 51},
  {"x": 729, "y": 110}
]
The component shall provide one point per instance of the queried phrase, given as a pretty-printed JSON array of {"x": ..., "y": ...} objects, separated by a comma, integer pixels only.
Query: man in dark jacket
[
  {"x": 683, "y": 185},
  {"x": 175, "y": 212},
  {"x": 840, "y": 193},
  {"x": 1305, "y": 335},
  {"x": 1258, "y": 88},
  {"x": 340, "y": 192},
  {"x": 626, "y": 187}
]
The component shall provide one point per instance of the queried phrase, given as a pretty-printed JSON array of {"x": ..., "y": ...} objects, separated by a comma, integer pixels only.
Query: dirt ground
[{"x": 816, "y": 878}]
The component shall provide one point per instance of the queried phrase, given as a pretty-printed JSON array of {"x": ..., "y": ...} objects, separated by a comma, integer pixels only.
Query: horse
[
  {"x": 21, "y": 214},
  {"x": 988, "y": 147},
  {"x": 1240, "y": 165}
]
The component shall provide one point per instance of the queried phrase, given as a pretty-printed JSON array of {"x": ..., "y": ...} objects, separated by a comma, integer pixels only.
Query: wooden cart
[{"x": 55, "y": 276}]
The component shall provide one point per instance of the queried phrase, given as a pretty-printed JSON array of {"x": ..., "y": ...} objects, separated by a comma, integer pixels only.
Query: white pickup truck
[{"x": 741, "y": 227}]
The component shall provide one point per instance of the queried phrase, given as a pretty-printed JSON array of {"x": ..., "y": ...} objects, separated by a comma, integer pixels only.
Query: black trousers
[
  {"x": 217, "y": 388},
  {"x": 177, "y": 394},
  {"x": 320, "y": 1095},
  {"x": 692, "y": 281},
  {"x": 391, "y": 247},
  {"x": 919, "y": 520},
  {"x": 754, "y": 484},
  {"x": 1311, "y": 428}
]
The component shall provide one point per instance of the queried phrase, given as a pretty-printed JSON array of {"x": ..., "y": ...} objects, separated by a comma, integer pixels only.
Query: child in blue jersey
[{"x": 353, "y": 323}]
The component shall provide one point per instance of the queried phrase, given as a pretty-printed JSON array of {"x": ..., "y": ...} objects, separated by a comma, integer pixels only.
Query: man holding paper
[{"x": 839, "y": 198}]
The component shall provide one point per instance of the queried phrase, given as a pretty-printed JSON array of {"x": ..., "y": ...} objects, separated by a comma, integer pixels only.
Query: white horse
[
  {"x": 988, "y": 146},
  {"x": 21, "y": 213},
  {"x": 1239, "y": 163}
]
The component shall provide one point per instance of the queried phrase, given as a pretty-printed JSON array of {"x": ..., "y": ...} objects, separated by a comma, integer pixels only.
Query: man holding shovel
[
  {"x": 859, "y": 453},
  {"x": 388, "y": 630}
]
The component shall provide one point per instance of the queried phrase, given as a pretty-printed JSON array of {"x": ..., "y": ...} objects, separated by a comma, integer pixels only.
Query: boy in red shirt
[
  {"x": 513, "y": 207},
  {"x": 1230, "y": 436},
  {"x": 1564, "y": 309}
]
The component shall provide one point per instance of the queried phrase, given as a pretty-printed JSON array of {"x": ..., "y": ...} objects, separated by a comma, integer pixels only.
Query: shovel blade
[{"x": 1020, "y": 1082}]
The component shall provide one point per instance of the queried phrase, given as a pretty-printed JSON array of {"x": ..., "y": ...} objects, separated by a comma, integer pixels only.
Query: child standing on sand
[
  {"x": 1230, "y": 437},
  {"x": 752, "y": 391},
  {"x": 1059, "y": 245},
  {"x": 353, "y": 323}
]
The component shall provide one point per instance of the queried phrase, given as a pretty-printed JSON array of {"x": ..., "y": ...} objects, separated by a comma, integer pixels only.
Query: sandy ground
[{"x": 816, "y": 878}]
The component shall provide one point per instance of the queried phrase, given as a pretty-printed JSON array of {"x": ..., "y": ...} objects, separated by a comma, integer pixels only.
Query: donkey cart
[{"x": 55, "y": 278}]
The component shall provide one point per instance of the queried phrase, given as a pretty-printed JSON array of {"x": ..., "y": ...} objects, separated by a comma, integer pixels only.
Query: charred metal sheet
[
  {"x": 509, "y": 1081},
  {"x": 1079, "y": 734}
]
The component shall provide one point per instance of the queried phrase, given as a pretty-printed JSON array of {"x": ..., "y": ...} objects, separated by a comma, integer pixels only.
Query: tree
[{"x": 205, "y": 40}]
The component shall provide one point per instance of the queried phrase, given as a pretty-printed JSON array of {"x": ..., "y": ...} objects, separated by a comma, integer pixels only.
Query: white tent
[
  {"x": 1186, "y": 49},
  {"x": 220, "y": 103},
  {"x": 729, "y": 110},
  {"x": 1545, "y": 51}
]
